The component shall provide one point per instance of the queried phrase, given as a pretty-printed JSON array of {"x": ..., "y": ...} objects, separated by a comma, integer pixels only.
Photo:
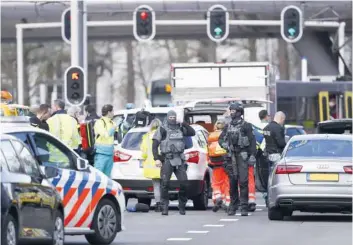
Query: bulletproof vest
[
  {"x": 173, "y": 146},
  {"x": 236, "y": 136}
]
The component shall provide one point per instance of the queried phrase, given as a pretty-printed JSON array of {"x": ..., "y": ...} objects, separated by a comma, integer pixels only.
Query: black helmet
[{"x": 236, "y": 107}]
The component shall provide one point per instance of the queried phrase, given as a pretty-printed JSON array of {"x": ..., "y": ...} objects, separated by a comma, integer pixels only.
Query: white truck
[{"x": 247, "y": 81}]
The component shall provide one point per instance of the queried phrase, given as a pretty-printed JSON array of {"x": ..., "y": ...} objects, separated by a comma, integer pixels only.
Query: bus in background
[{"x": 160, "y": 93}]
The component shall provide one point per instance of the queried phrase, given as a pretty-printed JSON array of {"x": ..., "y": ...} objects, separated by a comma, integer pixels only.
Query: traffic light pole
[{"x": 79, "y": 37}]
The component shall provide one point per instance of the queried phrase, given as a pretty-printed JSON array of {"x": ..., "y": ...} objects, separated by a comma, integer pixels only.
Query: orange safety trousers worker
[
  {"x": 220, "y": 180},
  {"x": 220, "y": 186},
  {"x": 251, "y": 185}
]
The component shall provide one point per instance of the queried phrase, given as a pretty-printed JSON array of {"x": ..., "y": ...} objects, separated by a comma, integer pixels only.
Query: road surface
[{"x": 206, "y": 227}]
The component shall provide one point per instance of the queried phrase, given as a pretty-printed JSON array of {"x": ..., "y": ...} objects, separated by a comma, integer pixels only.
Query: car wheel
[
  {"x": 146, "y": 201},
  {"x": 105, "y": 223},
  {"x": 275, "y": 214},
  {"x": 201, "y": 201},
  {"x": 58, "y": 234},
  {"x": 9, "y": 235}
]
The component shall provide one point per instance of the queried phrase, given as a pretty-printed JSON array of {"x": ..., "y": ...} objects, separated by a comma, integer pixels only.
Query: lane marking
[
  {"x": 197, "y": 232},
  {"x": 249, "y": 214},
  {"x": 179, "y": 239},
  {"x": 213, "y": 225},
  {"x": 228, "y": 220},
  {"x": 258, "y": 209},
  {"x": 261, "y": 205}
]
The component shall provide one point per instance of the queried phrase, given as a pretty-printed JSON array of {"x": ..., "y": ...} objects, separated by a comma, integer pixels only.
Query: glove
[
  {"x": 158, "y": 163},
  {"x": 252, "y": 160},
  {"x": 225, "y": 146}
]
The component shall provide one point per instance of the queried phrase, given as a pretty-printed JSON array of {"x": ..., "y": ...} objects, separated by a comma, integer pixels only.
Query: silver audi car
[{"x": 313, "y": 175}]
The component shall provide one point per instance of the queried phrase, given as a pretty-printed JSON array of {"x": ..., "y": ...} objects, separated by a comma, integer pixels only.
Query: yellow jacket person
[{"x": 150, "y": 170}]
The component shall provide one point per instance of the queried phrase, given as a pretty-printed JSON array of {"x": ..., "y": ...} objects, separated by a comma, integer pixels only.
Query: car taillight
[
  {"x": 348, "y": 169},
  {"x": 288, "y": 169},
  {"x": 193, "y": 157},
  {"x": 121, "y": 157}
]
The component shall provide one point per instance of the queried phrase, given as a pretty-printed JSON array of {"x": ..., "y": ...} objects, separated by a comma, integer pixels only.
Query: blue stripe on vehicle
[
  {"x": 96, "y": 185},
  {"x": 83, "y": 183},
  {"x": 70, "y": 181},
  {"x": 56, "y": 180},
  {"x": 109, "y": 186}
]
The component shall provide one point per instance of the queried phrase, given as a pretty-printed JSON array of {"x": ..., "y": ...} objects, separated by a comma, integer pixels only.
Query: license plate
[{"x": 323, "y": 177}]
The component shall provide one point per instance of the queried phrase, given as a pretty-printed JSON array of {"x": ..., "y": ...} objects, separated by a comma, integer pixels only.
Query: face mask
[
  {"x": 235, "y": 114},
  {"x": 171, "y": 118}
]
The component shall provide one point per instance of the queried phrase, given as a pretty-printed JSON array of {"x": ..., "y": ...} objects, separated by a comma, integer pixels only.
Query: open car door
[{"x": 215, "y": 108}]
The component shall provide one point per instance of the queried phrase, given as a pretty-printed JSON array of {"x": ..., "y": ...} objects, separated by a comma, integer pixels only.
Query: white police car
[{"x": 86, "y": 192}]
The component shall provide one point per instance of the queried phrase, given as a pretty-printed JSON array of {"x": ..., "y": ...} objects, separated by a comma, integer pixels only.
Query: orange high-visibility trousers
[
  {"x": 251, "y": 185},
  {"x": 220, "y": 185},
  {"x": 252, "y": 188}
]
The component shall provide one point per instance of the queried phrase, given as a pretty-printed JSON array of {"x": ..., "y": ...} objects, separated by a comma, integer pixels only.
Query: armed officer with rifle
[
  {"x": 170, "y": 139},
  {"x": 238, "y": 139}
]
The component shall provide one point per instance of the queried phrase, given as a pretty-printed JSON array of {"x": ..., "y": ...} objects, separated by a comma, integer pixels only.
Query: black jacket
[
  {"x": 274, "y": 137},
  {"x": 35, "y": 122},
  {"x": 247, "y": 130},
  {"x": 185, "y": 128}
]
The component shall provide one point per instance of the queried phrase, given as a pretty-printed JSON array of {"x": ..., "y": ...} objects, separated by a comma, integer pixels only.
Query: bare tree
[{"x": 130, "y": 88}]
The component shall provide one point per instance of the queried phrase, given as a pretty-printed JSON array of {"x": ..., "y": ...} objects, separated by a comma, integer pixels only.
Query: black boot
[
  {"x": 182, "y": 210},
  {"x": 164, "y": 210},
  {"x": 232, "y": 210},
  {"x": 252, "y": 207},
  {"x": 158, "y": 207},
  {"x": 217, "y": 205},
  {"x": 244, "y": 211}
]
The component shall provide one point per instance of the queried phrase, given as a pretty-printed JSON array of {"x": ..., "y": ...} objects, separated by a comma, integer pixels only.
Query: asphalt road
[{"x": 206, "y": 227}]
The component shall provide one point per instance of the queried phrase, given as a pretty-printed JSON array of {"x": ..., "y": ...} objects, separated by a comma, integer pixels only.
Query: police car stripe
[
  {"x": 56, "y": 180},
  {"x": 83, "y": 183},
  {"x": 86, "y": 201},
  {"x": 96, "y": 184},
  {"x": 69, "y": 182},
  {"x": 90, "y": 210},
  {"x": 74, "y": 210}
]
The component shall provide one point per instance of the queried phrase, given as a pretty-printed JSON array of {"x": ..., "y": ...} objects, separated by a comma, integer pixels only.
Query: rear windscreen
[
  {"x": 319, "y": 148},
  {"x": 335, "y": 128},
  {"x": 132, "y": 141}
]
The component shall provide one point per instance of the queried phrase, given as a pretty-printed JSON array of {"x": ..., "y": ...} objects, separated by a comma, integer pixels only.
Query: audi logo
[{"x": 323, "y": 166}]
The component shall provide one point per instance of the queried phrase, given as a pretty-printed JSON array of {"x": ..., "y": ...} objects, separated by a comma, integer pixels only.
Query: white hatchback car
[{"x": 128, "y": 170}]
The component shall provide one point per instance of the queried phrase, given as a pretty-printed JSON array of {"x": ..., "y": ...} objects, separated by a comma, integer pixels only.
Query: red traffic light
[{"x": 144, "y": 15}]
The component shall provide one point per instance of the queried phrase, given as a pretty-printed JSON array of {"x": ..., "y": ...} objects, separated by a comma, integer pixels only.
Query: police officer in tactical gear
[
  {"x": 170, "y": 140},
  {"x": 238, "y": 139}
]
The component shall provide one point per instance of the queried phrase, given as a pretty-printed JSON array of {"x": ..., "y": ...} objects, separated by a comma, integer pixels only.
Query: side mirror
[
  {"x": 287, "y": 138},
  {"x": 51, "y": 172},
  {"x": 82, "y": 164}
]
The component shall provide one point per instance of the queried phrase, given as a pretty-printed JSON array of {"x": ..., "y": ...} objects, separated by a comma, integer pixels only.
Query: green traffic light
[
  {"x": 218, "y": 31},
  {"x": 291, "y": 31}
]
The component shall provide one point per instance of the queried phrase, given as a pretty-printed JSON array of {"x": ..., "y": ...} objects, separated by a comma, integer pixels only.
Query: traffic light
[
  {"x": 75, "y": 85},
  {"x": 217, "y": 23},
  {"x": 66, "y": 26},
  {"x": 291, "y": 24},
  {"x": 144, "y": 26}
]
